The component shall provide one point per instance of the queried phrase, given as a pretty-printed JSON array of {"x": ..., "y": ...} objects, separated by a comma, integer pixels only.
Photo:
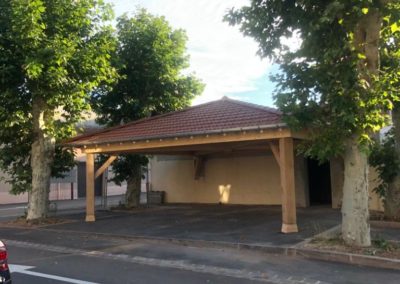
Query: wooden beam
[
  {"x": 90, "y": 214},
  {"x": 104, "y": 166},
  {"x": 199, "y": 163},
  {"x": 174, "y": 143},
  {"x": 303, "y": 135},
  {"x": 275, "y": 151},
  {"x": 289, "y": 222},
  {"x": 209, "y": 149}
]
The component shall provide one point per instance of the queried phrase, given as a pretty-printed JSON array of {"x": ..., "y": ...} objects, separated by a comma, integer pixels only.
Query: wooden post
[
  {"x": 286, "y": 151},
  {"x": 90, "y": 216}
]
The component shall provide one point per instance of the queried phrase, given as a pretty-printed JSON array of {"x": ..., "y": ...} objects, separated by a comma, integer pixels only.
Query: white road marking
[{"x": 23, "y": 269}]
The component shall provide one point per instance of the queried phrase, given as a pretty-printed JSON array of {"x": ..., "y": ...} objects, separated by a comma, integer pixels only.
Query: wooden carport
[{"x": 196, "y": 131}]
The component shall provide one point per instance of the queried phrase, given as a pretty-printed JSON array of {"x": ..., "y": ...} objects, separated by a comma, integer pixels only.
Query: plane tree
[
  {"x": 151, "y": 59},
  {"x": 52, "y": 55},
  {"x": 333, "y": 84}
]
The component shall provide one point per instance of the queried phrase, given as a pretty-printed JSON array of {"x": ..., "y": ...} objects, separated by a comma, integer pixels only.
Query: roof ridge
[{"x": 261, "y": 107}]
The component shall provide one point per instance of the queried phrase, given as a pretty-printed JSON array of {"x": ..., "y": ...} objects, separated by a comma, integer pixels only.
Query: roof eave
[{"x": 186, "y": 134}]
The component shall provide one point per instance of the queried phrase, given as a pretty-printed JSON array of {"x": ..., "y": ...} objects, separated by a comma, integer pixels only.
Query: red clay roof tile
[{"x": 210, "y": 117}]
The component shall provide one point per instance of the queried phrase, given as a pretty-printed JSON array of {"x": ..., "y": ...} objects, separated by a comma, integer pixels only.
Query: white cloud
[{"x": 219, "y": 54}]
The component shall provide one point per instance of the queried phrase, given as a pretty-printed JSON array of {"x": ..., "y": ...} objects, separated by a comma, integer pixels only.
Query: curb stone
[
  {"x": 385, "y": 224},
  {"x": 341, "y": 257},
  {"x": 350, "y": 258}
]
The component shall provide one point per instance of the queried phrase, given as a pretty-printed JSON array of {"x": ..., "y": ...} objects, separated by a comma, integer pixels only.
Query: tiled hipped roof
[{"x": 221, "y": 115}]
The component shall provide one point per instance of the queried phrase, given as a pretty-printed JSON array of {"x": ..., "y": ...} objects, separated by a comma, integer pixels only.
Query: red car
[{"x": 4, "y": 271}]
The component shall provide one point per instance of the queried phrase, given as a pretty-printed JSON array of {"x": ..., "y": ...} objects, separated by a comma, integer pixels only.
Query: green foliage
[
  {"x": 150, "y": 60},
  {"x": 384, "y": 155},
  {"x": 124, "y": 166},
  {"x": 384, "y": 245},
  {"x": 58, "y": 52},
  {"x": 387, "y": 163},
  {"x": 320, "y": 86}
]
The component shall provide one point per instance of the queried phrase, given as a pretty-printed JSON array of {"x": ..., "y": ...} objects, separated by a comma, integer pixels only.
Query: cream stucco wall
[
  {"x": 375, "y": 203},
  {"x": 241, "y": 180},
  {"x": 233, "y": 179}
]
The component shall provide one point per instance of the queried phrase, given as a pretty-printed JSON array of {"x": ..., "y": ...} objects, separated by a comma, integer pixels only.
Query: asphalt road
[
  {"x": 101, "y": 270},
  {"x": 46, "y": 267},
  {"x": 143, "y": 262},
  {"x": 57, "y": 256}
]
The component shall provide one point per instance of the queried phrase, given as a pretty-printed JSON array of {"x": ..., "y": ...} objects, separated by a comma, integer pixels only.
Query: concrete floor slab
[{"x": 255, "y": 225}]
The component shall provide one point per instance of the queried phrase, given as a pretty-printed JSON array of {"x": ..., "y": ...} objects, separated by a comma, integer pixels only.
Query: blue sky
[{"x": 219, "y": 54}]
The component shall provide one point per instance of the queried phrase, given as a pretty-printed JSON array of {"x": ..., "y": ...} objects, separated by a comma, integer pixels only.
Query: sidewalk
[
  {"x": 81, "y": 203},
  {"x": 72, "y": 204},
  {"x": 58, "y": 207}
]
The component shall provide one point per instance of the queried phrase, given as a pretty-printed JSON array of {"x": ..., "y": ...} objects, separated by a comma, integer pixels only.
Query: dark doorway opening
[
  {"x": 319, "y": 180},
  {"x": 98, "y": 184}
]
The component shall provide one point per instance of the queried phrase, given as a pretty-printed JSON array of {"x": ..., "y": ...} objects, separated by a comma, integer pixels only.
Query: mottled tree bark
[
  {"x": 132, "y": 196},
  {"x": 355, "y": 211},
  {"x": 42, "y": 155}
]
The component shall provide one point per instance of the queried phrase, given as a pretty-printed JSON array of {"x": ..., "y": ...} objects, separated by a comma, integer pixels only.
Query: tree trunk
[
  {"x": 355, "y": 211},
  {"x": 132, "y": 196},
  {"x": 355, "y": 208},
  {"x": 392, "y": 198},
  {"x": 42, "y": 155},
  {"x": 366, "y": 42}
]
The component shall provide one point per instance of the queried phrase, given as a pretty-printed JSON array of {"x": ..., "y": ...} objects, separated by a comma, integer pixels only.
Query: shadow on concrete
[{"x": 255, "y": 225}]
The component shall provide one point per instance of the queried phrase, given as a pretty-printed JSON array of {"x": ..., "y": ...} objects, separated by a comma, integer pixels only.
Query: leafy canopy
[
  {"x": 151, "y": 59},
  {"x": 56, "y": 52},
  {"x": 386, "y": 162},
  {"x": 321, "y": 86},
  {"x": 385, "y": 156}
]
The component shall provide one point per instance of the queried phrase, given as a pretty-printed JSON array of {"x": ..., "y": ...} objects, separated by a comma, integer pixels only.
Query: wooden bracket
[
  {"x": 199, "y": 166},
  {"x": 275, "y": 151},
  {"x": 104, "y": 166}
]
